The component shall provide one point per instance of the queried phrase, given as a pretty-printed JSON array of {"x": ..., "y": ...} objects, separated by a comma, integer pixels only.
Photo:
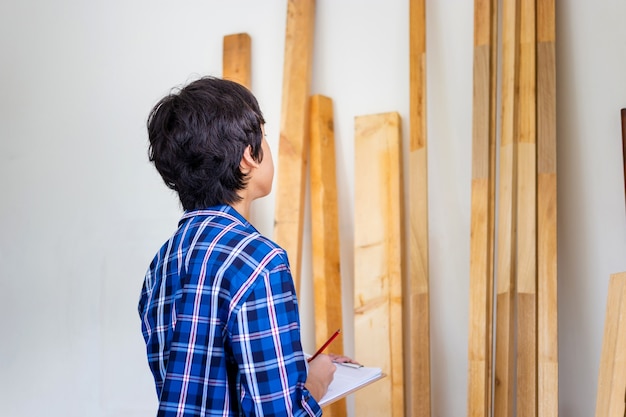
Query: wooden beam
[
  {"x": 293, "y": 144},
  {"x": 325, "y": 233},
  {"x": 378, "y": 262},
  {"x": 526, "y": 265},
  {"x": 506, "y": 228},
  {"x": 237, "y": 58},
  {"x": 480, "y": 354},
  {"x": 418, "y": 300},
  {"x": 547, "y": 300},
  {"x": 612, "y": 374}
]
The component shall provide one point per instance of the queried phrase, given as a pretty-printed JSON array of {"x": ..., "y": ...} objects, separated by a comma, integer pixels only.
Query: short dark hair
[{"x": 198, "y": 135}]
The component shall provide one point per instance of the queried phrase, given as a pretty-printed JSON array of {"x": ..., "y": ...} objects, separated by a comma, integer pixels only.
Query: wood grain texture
[
  {"x": 547, "y": 297},
  {"x": 612, "y": 373},
  {"x": 293, "y": 144},
  {"x": 506, "y": 226},
  {"x": 237, "y": 59},
  {"x": 419, "y": 392},
  {"x": 378, "y": 323},
  {"x": 480, "y": 355},
  {"x": 526, "y": 265},
  {"x": 325, "y": 233}
]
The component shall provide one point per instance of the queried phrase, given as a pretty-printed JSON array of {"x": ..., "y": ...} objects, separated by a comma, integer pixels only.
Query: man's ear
[{"x": 248, "y": 163}]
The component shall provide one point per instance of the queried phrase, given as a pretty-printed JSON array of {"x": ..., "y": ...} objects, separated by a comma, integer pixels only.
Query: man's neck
[{"x": 243, "y": 207}]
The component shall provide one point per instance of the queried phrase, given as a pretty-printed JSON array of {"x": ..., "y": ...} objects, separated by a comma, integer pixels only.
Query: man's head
[{"x": 198, "y": 136}]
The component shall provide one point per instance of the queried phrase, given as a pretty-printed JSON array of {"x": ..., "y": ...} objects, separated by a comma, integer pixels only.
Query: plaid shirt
[{"x": 220, "y": 320}]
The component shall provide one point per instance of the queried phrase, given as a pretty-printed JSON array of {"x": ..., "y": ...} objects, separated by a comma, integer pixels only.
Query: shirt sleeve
[{"x": 267, "y": 348}]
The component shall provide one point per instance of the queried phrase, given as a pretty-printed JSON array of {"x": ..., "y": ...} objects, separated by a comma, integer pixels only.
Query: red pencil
[{"x": 325, "y": 345}]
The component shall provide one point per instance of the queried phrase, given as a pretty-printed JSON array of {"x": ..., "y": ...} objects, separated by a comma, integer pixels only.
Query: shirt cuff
[{"x": 311, "y": 406}]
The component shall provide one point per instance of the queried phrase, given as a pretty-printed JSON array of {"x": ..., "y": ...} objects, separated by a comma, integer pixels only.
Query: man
[{"x": 218, "y": 305}]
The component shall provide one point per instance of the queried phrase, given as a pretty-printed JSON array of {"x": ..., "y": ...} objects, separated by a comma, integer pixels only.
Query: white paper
[{"x": 347, "y": 380}]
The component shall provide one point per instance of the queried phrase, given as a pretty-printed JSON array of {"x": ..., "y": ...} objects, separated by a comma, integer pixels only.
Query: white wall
[{"x": 82, "y": 211}]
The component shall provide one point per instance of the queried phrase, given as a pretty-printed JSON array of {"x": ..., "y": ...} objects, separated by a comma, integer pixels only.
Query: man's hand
[
  {"x": 342, "y": 359},
  {"x": 321, "y": 372}
]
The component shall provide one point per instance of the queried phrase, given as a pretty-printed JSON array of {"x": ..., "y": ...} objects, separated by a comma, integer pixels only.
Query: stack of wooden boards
[{"x": 515, "y": 257}]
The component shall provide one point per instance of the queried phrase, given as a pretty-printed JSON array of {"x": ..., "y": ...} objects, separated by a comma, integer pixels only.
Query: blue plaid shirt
[{"x": 220, "y": 319}]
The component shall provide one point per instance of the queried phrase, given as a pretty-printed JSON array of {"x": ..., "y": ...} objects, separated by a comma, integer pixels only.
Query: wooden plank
[
  {"x": 612, "y": 373},
  {"x": 293, "y": 144},
  {"x": 325, "y": 233},
  {"x": 237, "y": 58},
  {"x": 480, "y": 354},
  {"x": 378, "y": 262},
  {"x": 526, "y": 265},
  {"x": 547, "y": 300},
  {"x": 419, "y": 303},
  {"x": 506, "y": 230}
]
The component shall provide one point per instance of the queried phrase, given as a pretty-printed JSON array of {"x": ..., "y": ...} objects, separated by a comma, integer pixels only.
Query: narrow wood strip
[
  {"x": 237, "y": 59},
  {"x": 506, "y": 228},
  {"x": 325, "y": 233},
  {"x": 547, "y": 300},
  {"x": 493, "y": 122},
  {"x": 378, "y": 261},
  {"x": 482, "y": 211},
  {"x": 612, "y": 373},
  {"x": 419, "y": 303},
  {"x": 526, "y": 265},
  {"x": 293, "y": 144}
]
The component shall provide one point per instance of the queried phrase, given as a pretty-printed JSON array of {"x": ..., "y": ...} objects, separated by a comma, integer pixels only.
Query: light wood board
[
  {"x": 293, "y": 145},
  {"x": 418, "y": 299},
  {"x": 237, "y": 59},
  {"x": 325, "y": 233},
  {"x": 378, "y": 262},
  {"x": 547, "y": 300},
  {"x": 480, "y": 354},
  {"x": 612, "y": 374},
  {"x": 526, "y": 265},
  {"x": 506, "y": 230}
]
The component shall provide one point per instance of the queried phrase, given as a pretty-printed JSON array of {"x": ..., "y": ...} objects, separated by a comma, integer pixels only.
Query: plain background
[{"x": 82, "y": 211}]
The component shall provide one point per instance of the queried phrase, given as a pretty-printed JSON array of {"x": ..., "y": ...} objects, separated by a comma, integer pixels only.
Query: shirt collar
[{"x": 223, "y": 210}]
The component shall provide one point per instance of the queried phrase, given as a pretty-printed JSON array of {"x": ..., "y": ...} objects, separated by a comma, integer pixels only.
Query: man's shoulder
[
  {"x": 222, "y": 229},
  {"x": 266, "y": 251}
]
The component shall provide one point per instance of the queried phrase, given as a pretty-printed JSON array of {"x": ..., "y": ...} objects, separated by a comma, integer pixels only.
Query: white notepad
[{"x": 348, "y": 380}]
